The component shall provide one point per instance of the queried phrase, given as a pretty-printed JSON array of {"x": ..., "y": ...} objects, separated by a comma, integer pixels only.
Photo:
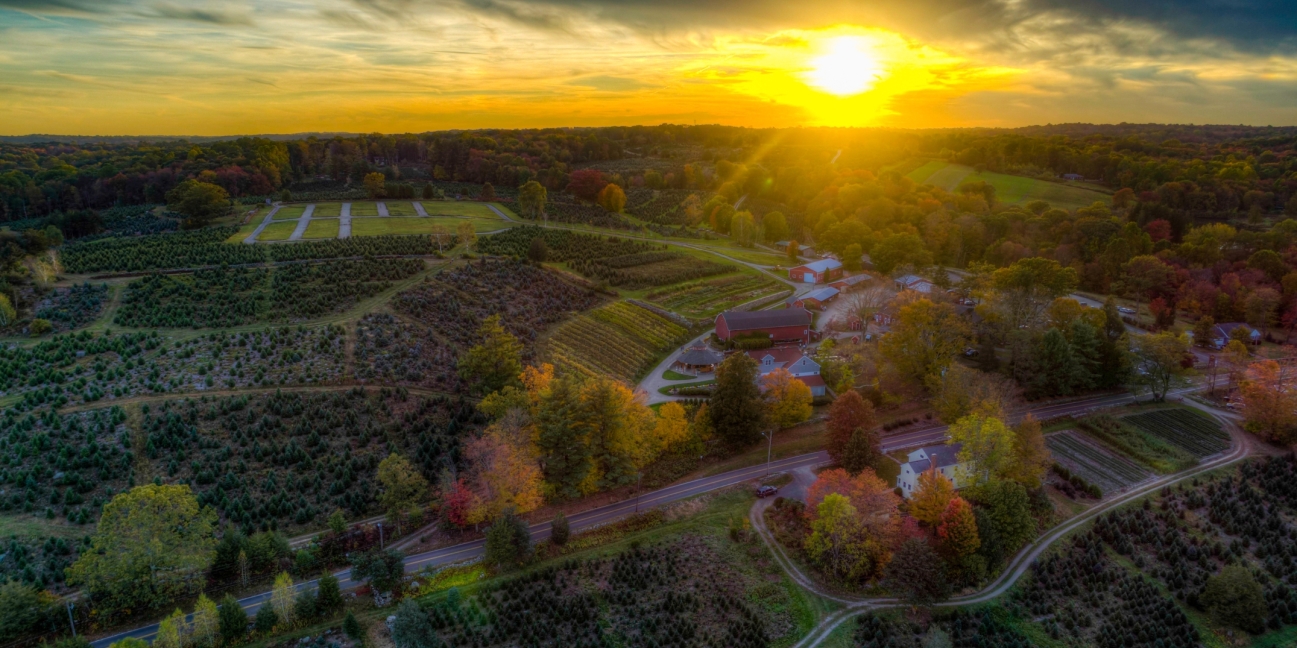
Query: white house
[
  {"x": 915, "y": 283},
  {"x": 944, "y": 458},
  {"x": 1222, "y": 332},
  {"x": 793, "y": 360}
]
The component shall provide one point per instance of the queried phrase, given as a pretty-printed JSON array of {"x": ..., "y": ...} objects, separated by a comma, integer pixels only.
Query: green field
[
  {"x": 463, "y": 208},
  {"x": 364, "y": 209},
  {"x": 290, "y": 212},
  {"x": 415, "y": 225},
  {"x": 327, "y": 228},
  {"x": 1009, "y": 189},
  {"x": 325, "y": 210},
  {"x": 278, "y": 231},
  {"x": 401, "y": 209}
]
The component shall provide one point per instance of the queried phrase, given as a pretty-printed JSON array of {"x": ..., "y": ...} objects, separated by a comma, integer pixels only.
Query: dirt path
[
  {"x": 344, "y": 221},
  {"x": 302, "y": 223},
  {"x": 252, "y": 238},
  {"x": 500, "y": 213},
  {"x": 1243, "y": 446}
]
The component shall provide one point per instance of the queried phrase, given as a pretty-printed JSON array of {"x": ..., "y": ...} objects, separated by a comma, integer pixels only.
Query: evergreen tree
[
  {"x": 992, "y": 548},
  {"x": 1054, "y": 371},
  {"x": 1009, "y": 507},
  {"x": 382, "y": 569},
  {"x": 916, "y": 574},
  {"x": 412, "y": 629},
  {"x": 494, "y": 362},
  {"x": 266, "y": 619},
  {"x": 1087, "y": 354},
  {"x": 565, "y": 455},
  {"x": 352, "y": 627},
  {"x": 861, "y": 451},
  {"x": 329, "y": 594},
  {"x": 559, "y": 530},
  {"x": 537, "y": 251},
  {"x": 508, "y": 542},
  {"x": 234, "y": 621},
  {"x": 735, "y": 407}
]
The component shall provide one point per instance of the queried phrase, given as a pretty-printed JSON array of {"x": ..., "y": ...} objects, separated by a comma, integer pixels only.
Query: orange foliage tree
[
  {"x": 1269, "y": 408},
  {"x": 849, "y": 412},
  {"x": 929, "y": 502}
]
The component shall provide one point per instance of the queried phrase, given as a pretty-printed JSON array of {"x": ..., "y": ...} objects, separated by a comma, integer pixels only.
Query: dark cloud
[
  {"x": 209, "y": 16},
  {"x": 1255, "y": 26},
  {"x": 60, "y": 7}
]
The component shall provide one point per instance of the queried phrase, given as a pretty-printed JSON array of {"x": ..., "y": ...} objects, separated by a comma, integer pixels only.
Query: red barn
[
  {"x": 817, "y": 271},
  {"x": 792, "y": 325}
]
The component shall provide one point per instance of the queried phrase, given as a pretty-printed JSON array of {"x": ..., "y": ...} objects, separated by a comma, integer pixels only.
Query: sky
[{"x": 187, "y": 67}]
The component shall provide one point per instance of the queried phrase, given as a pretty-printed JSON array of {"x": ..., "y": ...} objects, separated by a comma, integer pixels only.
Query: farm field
[
  {"x": 327, "y": 210},
  {"x": 1137, "y": 444},
  {"x": 400, "y": 208},
  {"x": 619, "y": 340},
  {"x": 278, "y": 231},
  {"x": 416, "y": 225},
  {"x": 708, "y": 297},
  {"x": 325, "y": 228},
  {"x": 1191, "y": 431},
  {"x": 1095, "y": 463},
  {"x": 463, "y": 208},
  {"x": 364, "y": 209},
  {"x": 1009, "y": 189},
  {"x": 289, "y": 212}
]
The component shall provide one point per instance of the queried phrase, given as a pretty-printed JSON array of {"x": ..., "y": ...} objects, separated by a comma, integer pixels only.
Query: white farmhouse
[{"x": 943, "y": 458}]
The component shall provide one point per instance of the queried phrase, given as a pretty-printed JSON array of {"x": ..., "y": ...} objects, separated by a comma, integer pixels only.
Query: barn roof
[
  {"x": 700, "y": 357},
  {"x": 823, "y": 265},
  {"x": 755, "y": 320}
]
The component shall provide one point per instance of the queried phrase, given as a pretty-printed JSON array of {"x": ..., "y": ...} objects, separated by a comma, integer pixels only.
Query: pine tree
[
  {"x": 1054, "y": 370},
  {"x": 508, "y": 542},
  {"x": 917, "y": 574},
  {"x": 266, "y": 620},
  {"x": 559, "y": 530},
  {"x": 412, "y": 629},
  {"x": 352, "y": 627},
  {"x": 234, "y": 621},
  {"x": 329, "y": 597},
  {"x": 735, "y": 406},
  {"x": 1087, "y": 353},
  {"x": 565, "y": 455}
]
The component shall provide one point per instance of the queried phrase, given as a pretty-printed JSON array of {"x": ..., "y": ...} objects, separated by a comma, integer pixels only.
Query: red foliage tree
[
  {"x": 586, "y": 183},
  {"x": 849, "y": 412},
  {"x": 1159, "y": 230},
  {"x": 458, "y": 504}
]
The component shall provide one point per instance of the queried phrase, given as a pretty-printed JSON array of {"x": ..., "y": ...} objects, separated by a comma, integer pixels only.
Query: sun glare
[{"x": 848, "y": 68}]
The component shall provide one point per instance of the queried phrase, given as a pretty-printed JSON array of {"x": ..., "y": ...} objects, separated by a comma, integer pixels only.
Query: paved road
[
  {"x": 418, "y": 209},
  {"x": 302, "y": 223},
  {"x": 344, "y": 221},
  {"x": 584, "y": 520},
  {"x": 500, "y": 213},
  {"x": 252, "y": 238}
]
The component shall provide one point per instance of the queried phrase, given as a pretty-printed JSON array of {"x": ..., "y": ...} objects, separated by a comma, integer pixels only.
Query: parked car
[
  {"x": 970, "y": 352},
  {"x": 767, "y": 491},
  {"x": 1126, "y": 309}
]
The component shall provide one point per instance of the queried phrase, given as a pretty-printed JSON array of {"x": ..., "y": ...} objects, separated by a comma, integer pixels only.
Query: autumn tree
[
  {"x": 505, "y": 470},
  {"x": 151, "y": 546},
  {"x": 402, "y": 485},
  {"x": 957, "y": 535},
  {"x": 282, "y": 596},
  {"x": 618, "y": 430},
  {"x": 672, "y": 428},
  {"x": 743, "y": 228},
  {"x": 531, "y": 199},
  {"x": 612, "y": 198},
  {"x": 1261, "y": 307},
  {"x": 929, "y": 501},
  {"x": 1031, "y": 457},
  {"x": 1143, "y": 277},
  {"x": 871, "y": 498},
  {"x": 199, "y": 202},
  {"x": 21, "y": 608},
  {"x": 1269, "y": 408},
  {"x": 735, "y": 407},
  {"x": 586, "y": 183},
  {"x": 466, "y": 234},
  {"x": 959, "y": 391},
  {"x": 375, "y": 185},
  {"x": 838, "y": 541},
  {"x": 864, "y": 300},
  {"x": 987, "y": 443},
  {"x": 494, "y": 362},
  {"x": 924, "y": 339},
  {"x": 900, "y": 250},
  {"x": 205, "y": 623},
  {"x": 487, "y": 194},
  {"x": 1158, "y": 360},
  {"x": 1027, "y": 287},
  {"x": 787, "y": 399}
]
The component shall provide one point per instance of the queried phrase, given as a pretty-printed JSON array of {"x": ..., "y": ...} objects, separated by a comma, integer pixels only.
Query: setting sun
[{"x": 849, "y": 68}]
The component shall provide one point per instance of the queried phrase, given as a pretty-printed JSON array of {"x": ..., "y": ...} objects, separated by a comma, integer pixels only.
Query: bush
[
  {"x": 40, "y": 327},
  {"x": 266, "y": 619},
  {"x": 1235, "y": 599},
  {"x": 508, "y": 542}
]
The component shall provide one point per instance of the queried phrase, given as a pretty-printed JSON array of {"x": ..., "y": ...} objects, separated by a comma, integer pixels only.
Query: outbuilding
[
  {"x": 787, "y": 326},
  {"x": 820, "y": 271}
]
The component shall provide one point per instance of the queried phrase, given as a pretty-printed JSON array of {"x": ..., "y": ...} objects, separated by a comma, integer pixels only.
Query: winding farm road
[
  {"x": 252, "y": 238},
  {"x": 1242, "y": 446}
]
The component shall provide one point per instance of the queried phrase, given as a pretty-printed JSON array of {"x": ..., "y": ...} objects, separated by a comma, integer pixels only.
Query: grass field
[
  {"x": 1009, "y": 189},
  {"x": 463, "y": 208},
  {"x": 415, "y": 225},
  {"x": 325, "y": 210},
  {"x": 364, "y": 209},
  {"x": 278, "y": 231},
  {"x": 290, "y": 212},
  {"x": 327, "y": 228},
  {"x": 401, "y": 208}
]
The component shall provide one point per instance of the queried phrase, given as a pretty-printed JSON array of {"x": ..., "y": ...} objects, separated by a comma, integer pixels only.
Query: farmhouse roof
[
  {"x": 780, "y": 355},
  {"x": 822, "y": 294},
  {"x": 812, "y": 381},
  {"x": 700, "y": 357},
  {"x": 823, "y": 265},
  {"x": 852, "y": 280},
  {"x": 944, "y": 455},
  {"x": 1227, "y": 328},
  {"x": 757, "y": 320}
]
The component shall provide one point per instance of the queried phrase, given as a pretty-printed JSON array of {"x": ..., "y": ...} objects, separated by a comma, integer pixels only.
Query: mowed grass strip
[
  {"x": 278, "y": 231},
  {"x": 921, "y": 174},
  {"x": 1009, "y": 189},
  {"x": 321, "y": 229},
  {"x": 401, "y": 208},
  {"x": 618, "y": 340},
  {"x": 364, "y": 209},
  {"x": 415, "y": 225},
  {"x": 326, "y": 210},
  {"x": 461, "y": 208},
  {"x": 289, "y": 212}
]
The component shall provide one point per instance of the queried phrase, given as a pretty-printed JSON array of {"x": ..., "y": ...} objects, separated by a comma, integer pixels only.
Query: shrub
[
  {"x": 40, "y": 327},
  {"x": 265, "y": 619}
]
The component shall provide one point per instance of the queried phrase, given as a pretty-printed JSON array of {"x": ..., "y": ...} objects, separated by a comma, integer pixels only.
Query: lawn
[
  {"x": 278, "y": 231},
  {"x": 327, "y": 228},
  {"x": 364, "y": 209},
  {"x": 463, "y": 208},
  {"x": 675, "y": 375},
  {"x": 1009, "y": 189},
  {"x": 290, "y": 212},
  {"x": 325, "y": 210},
  {"x": 415, "y": 225},
  {"x": 401, "y": 209}
]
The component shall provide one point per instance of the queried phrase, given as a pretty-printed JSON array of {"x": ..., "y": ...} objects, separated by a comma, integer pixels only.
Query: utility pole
[
  {"x": 770, "y": 441},
  {"x": 72, "y": 621},
  {"x": 639, "y": 478}
]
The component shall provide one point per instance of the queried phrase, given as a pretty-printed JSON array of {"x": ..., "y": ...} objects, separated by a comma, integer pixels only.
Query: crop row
[
  {"x": 1095, "y": 465},
  {"x": 617, "y": 340},
  {"x": 654, "y": 329},
  {"x": 1192, "y": 432}
]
